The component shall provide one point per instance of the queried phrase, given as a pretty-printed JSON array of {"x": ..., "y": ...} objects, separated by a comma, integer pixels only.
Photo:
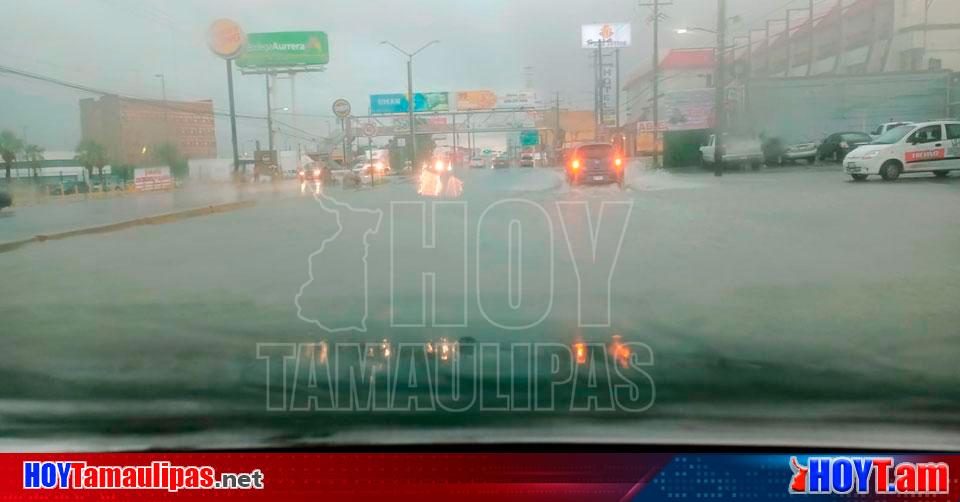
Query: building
[
  {"x": 131, "y": 128},
  {"x": 850, "y": 37},
  {"x": 685, "y": 106}
]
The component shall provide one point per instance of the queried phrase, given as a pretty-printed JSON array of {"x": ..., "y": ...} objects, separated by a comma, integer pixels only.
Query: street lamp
[{"x": 410, "y": 96}]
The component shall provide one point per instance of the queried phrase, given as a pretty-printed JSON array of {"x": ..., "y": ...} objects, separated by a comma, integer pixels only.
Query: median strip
[{"x": 158, "y": 219}]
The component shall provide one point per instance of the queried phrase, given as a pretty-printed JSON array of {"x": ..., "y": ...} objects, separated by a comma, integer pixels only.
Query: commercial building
[
  {"x": 131, "y": 128},
  {"x": 851, "y": 37},
  {"x": 685, "y": 106}
]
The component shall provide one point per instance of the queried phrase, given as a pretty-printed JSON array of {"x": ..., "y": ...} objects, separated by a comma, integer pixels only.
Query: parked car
[
  {"x": 838, "y": 145},
  {"x": 6, "y": 200},
  {"x": 802, "y": 151},
  {"x": 737, "y": 150},
  {"x": 595, "y": 163},
  {"x": 883, "y": 128},
  {"x": 927, "y": 147},
  {"x": 526, "y": 160}
]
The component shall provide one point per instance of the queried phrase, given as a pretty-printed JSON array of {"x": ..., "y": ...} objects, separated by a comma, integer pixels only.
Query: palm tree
[
  {"x": 34, "y": 155},
  {"x": 91, "y": 154},
  {"x": 10, "y": 147}
]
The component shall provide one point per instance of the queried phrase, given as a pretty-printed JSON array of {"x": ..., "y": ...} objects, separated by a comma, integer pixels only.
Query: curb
[{"x": 146, "y": 220}]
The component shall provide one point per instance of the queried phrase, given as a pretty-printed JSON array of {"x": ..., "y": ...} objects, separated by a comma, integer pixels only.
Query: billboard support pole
[
  {"x": 266, "y": 79},
  {"x": 233, "y": 118}
]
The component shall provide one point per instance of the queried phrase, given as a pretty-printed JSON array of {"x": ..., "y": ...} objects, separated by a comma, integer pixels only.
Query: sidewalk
[{"x": 24, "y": 222}]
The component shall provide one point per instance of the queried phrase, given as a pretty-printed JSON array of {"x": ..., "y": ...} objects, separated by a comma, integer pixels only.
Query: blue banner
[{"x": 397, "y": 103}]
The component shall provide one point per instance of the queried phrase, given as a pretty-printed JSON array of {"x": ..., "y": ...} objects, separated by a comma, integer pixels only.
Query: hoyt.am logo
[{"x": 877, "y": 475}]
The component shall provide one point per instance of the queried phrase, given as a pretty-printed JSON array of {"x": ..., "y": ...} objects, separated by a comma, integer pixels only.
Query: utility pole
[
  {"x": 842, "y": 49},
  {"x": 617, "y": 56},
  {"x": 656, "y": 4},
  {"x": 233, "y": 119},
  {"x": 599, "y": 133},
  {"x": 810, "y": 48},
  {"x": 720, "y": 103}
]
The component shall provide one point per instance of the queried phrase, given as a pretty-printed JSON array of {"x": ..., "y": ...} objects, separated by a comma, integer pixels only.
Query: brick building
[{"x": 131, "y": 128}]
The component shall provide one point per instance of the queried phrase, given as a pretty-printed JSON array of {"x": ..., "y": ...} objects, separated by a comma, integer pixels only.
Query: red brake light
[
  {"x": 575, "y": 164},
  {"x": 618, "y": 162}
]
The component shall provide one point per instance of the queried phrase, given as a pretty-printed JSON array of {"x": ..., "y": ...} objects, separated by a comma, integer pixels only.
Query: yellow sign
[{"x": 226, "y": 39}]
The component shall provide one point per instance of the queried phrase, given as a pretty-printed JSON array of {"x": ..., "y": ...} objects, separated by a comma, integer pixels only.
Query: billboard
[
  {"x": 285, "y": 48},
  {"x": 683, "y": 110},
  {"x": 398, "y": 103},
  {"x": 476, "y": 100},
  {"x": 616, "y": 35}
]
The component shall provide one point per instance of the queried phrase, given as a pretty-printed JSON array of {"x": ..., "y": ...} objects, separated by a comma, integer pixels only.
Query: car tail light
[
  {"x": 575, "y": 164},
  {"x": 580, "y": 351},
  {"x": 618, "y": 162}
]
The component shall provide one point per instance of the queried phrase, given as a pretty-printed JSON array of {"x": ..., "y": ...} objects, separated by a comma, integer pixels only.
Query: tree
[
  {"x": 10, "y": 148},
  {"x": 91, "y": 154},
  {"x": 33, "y": 154},
  {"x": 167, "y": 154}
]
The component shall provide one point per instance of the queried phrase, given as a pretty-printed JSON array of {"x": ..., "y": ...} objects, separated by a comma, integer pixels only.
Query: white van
[{"x": 927, "y": 147}]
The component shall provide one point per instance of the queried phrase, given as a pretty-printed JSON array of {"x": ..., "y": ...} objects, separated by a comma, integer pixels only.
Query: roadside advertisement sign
[
  {"x": 683, "y": 111},
  {"x": 476, "y": 100},
  {"x": 148, "y": 179},
  {"x": 613, "y": 35},
  {"x": 226, "y": 39},
  {"x": 285, "y": 48},
  {"x": 398, "y": 103}
]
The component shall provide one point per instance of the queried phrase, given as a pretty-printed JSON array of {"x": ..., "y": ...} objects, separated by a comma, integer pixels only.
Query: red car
[{"x": 595, "y": 163}]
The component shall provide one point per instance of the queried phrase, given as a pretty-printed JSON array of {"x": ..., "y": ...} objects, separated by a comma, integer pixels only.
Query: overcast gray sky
[{"x": 120, "y": 45}]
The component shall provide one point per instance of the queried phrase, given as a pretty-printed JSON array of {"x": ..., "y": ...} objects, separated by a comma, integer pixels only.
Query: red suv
[{"x": 595, "y": 163}]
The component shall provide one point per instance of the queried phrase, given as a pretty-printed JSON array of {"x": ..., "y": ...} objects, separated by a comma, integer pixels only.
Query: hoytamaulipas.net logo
[
  {"x": 158, "y": 475},
  {"x": 868, "y": 475}
]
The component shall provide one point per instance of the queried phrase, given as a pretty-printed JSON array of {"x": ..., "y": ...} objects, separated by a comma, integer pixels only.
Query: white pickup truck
[{"x": 737, "y": 150}]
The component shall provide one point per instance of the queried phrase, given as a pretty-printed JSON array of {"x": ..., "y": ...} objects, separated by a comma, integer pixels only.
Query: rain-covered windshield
[{"x": 246, "y": 223}]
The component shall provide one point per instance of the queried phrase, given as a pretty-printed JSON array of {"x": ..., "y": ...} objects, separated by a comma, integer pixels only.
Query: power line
[{"x": 150, "y": 102}]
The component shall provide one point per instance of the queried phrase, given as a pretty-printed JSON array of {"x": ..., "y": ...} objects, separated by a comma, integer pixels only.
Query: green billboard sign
[{"x": 285, "y": 48}]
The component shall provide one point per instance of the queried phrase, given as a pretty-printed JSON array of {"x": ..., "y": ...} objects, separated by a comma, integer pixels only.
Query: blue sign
[{"x": 397, "y": 103}]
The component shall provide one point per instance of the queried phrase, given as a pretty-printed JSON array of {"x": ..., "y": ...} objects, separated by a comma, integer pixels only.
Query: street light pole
[
  {"x": 410, "y": 107},
  {"x": 163, "y": 91},
  {"x": 410, "y": 95}
]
